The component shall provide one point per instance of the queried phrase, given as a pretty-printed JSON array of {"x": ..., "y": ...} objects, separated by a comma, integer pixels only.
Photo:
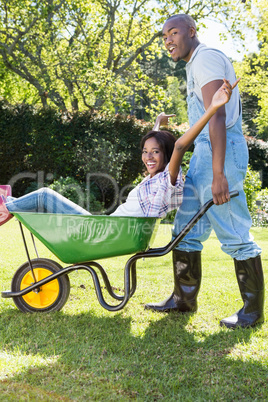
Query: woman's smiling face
[{"x": 153, "y": 157}]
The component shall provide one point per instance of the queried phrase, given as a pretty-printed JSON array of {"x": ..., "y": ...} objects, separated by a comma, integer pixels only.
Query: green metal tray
[{"x": 79, "y": 238}]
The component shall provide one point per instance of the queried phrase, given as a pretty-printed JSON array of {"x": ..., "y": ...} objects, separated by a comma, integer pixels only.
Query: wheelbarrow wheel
[{"x": 49, "y": 297}]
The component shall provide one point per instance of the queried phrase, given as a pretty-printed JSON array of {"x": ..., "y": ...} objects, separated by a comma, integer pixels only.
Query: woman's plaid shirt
[{"x": 157, "y": 196}]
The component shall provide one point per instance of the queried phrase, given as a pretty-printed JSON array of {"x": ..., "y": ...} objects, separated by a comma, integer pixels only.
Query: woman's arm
[
  {"x": 162, "y": 120},
  {"x": 221, "y": 97}
]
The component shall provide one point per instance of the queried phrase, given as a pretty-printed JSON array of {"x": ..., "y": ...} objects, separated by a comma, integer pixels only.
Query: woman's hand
[
  {"x": 162, "y": 120},
  {"x": 223, "y": 94}
]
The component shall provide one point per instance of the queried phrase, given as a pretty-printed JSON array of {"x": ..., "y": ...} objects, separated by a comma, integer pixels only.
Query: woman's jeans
[{"x": 44, "y": 200}]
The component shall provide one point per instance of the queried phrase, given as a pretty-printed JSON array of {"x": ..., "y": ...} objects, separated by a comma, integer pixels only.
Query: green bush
[
  {"x": 252, "y": 185},
  {"x": 15, "y": 142},
  {"x": 261, "y": 216},
  {"x": 39, "y": 145},
  {"x": 170, "y": 217},
  {"x": 258, "y": 157},
  {"x": 74, "y": 191},
  {"x": 45, "y": 143}
]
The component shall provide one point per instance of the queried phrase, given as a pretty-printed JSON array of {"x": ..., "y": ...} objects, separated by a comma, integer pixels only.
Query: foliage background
[
  {"x": 103, "y": 55},
  {"x": 74, "y": 74}
]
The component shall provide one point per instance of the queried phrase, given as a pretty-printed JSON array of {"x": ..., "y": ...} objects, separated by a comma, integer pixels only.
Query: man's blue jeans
[{"x": 231, "y": 221}]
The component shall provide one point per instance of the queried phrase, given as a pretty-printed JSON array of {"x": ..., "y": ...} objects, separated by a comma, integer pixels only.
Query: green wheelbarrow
[{"x": 42, "y": 285}]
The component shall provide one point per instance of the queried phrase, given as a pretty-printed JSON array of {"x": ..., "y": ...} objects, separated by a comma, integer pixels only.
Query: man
[{"x": 218, "y": 164}]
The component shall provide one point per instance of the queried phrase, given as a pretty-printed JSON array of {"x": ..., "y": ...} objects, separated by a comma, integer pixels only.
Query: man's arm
[{"x": 217, "y": 133}]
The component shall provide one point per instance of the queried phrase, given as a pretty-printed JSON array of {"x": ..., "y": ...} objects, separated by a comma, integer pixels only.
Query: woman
[{"x": 159, "y": 193}]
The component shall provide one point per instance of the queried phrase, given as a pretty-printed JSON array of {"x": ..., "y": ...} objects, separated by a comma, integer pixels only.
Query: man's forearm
[{"x": 217, "y": 133}]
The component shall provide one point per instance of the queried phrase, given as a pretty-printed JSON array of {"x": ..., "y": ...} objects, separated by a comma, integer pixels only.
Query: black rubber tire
[{"x": 55, "y": 302}]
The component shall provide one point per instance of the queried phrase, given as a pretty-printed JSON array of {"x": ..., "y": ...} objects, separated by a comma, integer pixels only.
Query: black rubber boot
[
  {"x": 187, "y": 280},
  {"x": 251, "y": 284}
]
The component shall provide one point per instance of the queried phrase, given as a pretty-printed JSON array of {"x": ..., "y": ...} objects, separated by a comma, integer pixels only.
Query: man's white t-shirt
[{"x": 206, "y": 65}]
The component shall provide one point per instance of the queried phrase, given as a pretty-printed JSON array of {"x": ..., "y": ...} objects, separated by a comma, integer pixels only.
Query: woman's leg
[{"x": 44, "y": 200}]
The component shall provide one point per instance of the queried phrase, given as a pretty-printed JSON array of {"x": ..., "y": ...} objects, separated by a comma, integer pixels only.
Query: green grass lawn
[{"x": 87, "y": 353}]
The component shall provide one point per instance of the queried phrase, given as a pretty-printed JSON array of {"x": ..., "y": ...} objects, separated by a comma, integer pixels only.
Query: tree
[
  {"x": 253, "y": 69},
  {"x": 80, "y": 54},
  {"x": 158, "y": 68},
  {"x": 178, "y": 103},
  {"x": 14, "y": 89}
]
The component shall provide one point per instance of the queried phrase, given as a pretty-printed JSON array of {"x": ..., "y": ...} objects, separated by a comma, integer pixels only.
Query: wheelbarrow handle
[
  {"x": 206, "y": 206},
  {"x": 234, "y": 193},
  {"x": 200, "y": 213},
  {"x": 209, "y": 203},
  {"x": 157, "y": 252}
]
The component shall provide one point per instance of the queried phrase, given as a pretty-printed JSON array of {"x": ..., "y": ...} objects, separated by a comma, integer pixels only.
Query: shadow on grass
[{"x": 85, "y": 356}]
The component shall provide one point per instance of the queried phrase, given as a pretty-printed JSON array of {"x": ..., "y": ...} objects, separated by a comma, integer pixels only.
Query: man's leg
[
  {"x": 232, "y": 223},
  {"x": 251, "y": 285},
  {"x": 187, "y": 280}
]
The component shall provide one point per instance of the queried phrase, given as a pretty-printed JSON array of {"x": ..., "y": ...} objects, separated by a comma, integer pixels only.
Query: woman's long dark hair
[{"x": 166, "y": 142}]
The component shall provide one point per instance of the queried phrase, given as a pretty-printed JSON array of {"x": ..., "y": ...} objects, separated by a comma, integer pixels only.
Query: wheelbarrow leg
[{"x": 187, "y": 281}]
